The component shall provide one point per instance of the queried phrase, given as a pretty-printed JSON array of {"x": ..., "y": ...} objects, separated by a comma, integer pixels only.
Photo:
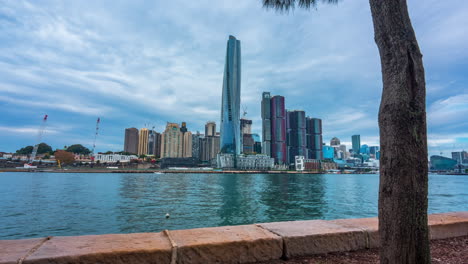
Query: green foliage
[
  {"x": 109, "y": 152},
  {"x": 286, "y": 5},
  {"x": 25, "y": 150},
  {"x": 44, "y": 148},
  {"x": 78, "y": 149}
]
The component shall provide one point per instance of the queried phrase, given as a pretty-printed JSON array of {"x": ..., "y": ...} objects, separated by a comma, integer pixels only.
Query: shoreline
[{"x": 225, "y": 244}]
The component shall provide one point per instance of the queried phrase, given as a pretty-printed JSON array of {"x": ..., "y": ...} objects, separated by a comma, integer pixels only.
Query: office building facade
[
  {"x": 230, "y": 141},
  {"x": 356, "y": 142},
  {"x": 314, "y": 138},
  {"x": 171, "y": 141},
  {"x": 296, "y": 135},
  {"x": 131, "y": 140},
  {"x": 278, "y": 129},
  {"x": 154, "y": 143},
  {"x": 266, "y": 123},
  {"x": 143, "y": 141}
]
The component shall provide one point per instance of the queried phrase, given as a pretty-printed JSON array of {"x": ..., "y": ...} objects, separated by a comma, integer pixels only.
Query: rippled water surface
[{"x": 56, "y": 204}]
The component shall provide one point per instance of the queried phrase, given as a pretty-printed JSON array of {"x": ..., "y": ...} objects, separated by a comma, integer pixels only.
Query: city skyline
[{"x": 77, "y": 68}]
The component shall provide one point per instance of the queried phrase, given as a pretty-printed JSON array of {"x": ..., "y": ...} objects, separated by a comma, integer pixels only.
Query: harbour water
[{"x": 65, "y": 204}]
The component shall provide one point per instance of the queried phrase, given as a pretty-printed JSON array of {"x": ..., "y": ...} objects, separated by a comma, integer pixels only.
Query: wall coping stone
[{"x": 226, "y": 244}]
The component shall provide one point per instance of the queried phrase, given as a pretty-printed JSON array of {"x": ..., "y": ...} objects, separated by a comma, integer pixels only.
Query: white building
[
  {"x": 245, "y": 162},
  {"x": 114, "y": 157}
]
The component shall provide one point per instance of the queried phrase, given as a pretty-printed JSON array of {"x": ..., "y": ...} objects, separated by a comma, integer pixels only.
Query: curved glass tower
[{"x": 230, "y": 141}]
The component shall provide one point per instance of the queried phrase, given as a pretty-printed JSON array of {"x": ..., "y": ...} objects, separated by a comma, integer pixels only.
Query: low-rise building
[
  {"x": 113, "y": 158},
  {"x": 245, "y": 162}
]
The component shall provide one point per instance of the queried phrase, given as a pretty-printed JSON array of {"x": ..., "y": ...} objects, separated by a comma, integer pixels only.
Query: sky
[{"x": 145, "y": 63}]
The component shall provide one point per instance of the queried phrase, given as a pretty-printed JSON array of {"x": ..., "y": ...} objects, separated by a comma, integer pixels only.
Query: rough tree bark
[{"x": 403, "y": 137}]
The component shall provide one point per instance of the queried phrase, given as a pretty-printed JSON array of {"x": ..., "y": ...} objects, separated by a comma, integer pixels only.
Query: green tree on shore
[
  {"x": 78, "y": 149},
  {"x": 42, "y": 148},
  {"x": 403, "y": 228}
]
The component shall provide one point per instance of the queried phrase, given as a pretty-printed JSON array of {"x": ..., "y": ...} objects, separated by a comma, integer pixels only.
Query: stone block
[
  {"x": 369, "y": 225},
  {"x": 116, "y": 248},
  {"x": 227, "y": 244},
  {"x": 12, "y": 250},
  {"x": 448, "y": 225},
  {"x": 303, "y": 238}
]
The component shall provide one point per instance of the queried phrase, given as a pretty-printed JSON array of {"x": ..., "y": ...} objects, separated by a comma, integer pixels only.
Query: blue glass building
[{"x": 230, "y": 141}]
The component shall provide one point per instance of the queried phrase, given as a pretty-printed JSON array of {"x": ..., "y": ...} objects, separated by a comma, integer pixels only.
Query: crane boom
[
  {"x": 39, "y": 138},
  {"x": 95, "y": 135}
]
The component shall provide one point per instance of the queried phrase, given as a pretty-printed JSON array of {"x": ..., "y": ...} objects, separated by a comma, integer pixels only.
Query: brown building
[{"x": 131, "y": 140}]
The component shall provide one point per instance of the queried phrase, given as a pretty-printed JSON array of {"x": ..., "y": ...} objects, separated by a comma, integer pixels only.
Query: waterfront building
[
  {"x": 154, "y": 143},
  {"x": 143, "y": 141},
  {"x": 245, "y": 162},
  {"x": 296, "y": 135},
  {"x": 230, "y": 141},
  {"x": 186, "y": 141},
  {"x": 278, "y": 129},
  {"x": 314, "y": 138},
  {"x": 460, "y": 156},
  {"x": 335, "y": 142},
  {"x": 131, "y": 140},
  {"x": 356, "y": 141},
  {"x": 247, "y": 144},
  {"x": 196, "y": 145},
  {"x": 257, "y": 144},
  {"x": 441, "y": 163},
  {"x": 266, "y": 123},
  {"x": 328, "y": 152},
  {"x": 171, "y": 141},
  {"x": 209, "y": 148},
  {"x": 255, "y": 162},
  {"x": 303, "y": 164},
  {"x": 111, "y": 158},
  {"x": 210, "y": 129}
]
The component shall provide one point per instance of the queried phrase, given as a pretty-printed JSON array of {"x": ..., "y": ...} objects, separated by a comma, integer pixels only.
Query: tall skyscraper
[
  {"x": 278, "y": 129},
  {"x": 296, "y": 135},
  {"x": 154, "y": 143},
  {"x": 143, "y": 142},
  {"x": 131, "y": 140},
  {"x": 266, "y": 123},
  {"x": 246, "y": 126},
  {"x": 196, "y": 145},
  {"x": 230, "y": 106},
  {"x": 171, "y": 141},
  {"x": 314, "y": 138},
  {"x": 356, "y": 141}
]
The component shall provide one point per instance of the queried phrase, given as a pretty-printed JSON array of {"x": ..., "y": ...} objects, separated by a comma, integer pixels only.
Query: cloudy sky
[{"x": 142, "y": 63}]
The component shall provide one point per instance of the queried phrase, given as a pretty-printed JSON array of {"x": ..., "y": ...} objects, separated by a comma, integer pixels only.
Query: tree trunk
[{"x": 403, "y": 226}]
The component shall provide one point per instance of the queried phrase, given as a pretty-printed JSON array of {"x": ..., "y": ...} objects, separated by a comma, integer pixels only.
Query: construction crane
[
  {"x": 29, "y": 165},
  {"x": 95, "y": 135}
]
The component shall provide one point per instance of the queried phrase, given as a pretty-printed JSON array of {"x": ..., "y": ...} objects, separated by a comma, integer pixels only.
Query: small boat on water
[{"x": 158, "y": 172}]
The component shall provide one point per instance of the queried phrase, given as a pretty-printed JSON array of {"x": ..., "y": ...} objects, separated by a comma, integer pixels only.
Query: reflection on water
[{"x": 41, "y": 204}]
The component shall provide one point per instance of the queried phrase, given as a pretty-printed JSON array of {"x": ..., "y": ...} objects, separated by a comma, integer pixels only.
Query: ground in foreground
[{"x": 446, "y": 251}]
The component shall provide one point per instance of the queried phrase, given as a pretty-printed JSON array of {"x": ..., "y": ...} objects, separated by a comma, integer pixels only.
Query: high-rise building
[
  {"x": 296, "y": 135},
  {"x": 314, "y": 138},
  {"x": 143, "y": 141},
  {"x": 230, "y": 106},
  {"x": 335, "y": 142},
  {"x": 356, "y": 141},
  {"x": 210, "y": 129},
  {"x": 196, "y": 142},
  {"x": 278, "y": 129},
  {"x": 154, "y": 143},
  {"x": 328, "y": 152},
  {"x": 247, "y": 144},
  {"x": 171, "y": 141},
  {"x": 373, "y": 150},
  {"x": 246, "y": 126},
  {"x": 257, "y": 144},
  {"x": 266, "y": 123},
  {"x": 131, "y": 140},
  {"x": 186, "y": 141}
]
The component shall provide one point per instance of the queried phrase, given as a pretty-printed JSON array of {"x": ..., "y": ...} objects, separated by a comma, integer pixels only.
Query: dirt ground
[{"x": 445, "y": 251}]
